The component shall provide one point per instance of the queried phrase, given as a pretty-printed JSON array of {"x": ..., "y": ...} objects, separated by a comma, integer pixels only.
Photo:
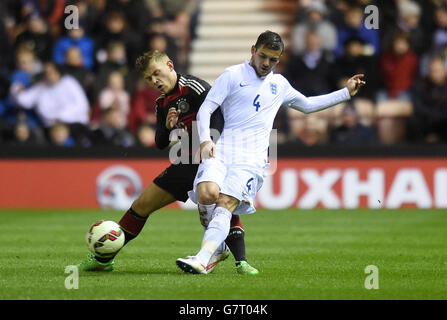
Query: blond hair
[{"x": 143, "y": 61}]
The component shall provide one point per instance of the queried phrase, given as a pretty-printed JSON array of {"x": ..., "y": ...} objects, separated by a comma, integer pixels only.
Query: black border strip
[{"x": 276, "y": 309}]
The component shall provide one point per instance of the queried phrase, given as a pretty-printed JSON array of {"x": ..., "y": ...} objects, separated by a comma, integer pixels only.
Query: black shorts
[{"x": 177, "y": 179}]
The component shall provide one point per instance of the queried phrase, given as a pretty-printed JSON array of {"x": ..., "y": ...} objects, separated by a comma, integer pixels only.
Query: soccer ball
[{"x": 105, "y": 238}]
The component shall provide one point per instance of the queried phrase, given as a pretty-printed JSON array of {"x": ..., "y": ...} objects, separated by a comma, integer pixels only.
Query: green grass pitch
[{"x": 301, "y": 254}]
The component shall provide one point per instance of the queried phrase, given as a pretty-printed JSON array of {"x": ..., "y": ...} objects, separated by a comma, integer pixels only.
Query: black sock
[
  {"x": 236, "y": 242},
  {"x": 127, "y": 237}
]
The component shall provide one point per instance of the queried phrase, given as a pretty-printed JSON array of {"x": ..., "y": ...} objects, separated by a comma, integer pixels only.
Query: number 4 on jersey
[{"x": 256, "y": 103}]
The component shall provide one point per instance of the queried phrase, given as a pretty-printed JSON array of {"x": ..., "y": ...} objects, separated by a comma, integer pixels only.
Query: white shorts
[{"x": 241, "y": 183}]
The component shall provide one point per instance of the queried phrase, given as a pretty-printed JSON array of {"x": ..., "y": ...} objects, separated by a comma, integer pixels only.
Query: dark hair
[
  {"x": 59, "y": 68},
  {"x": 270, "y": 40},
  {"x": 354, "y": 39},
  {"x": 400, "y": 35}
]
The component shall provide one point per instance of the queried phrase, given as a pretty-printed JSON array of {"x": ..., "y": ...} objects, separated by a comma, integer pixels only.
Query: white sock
[
  {"x": 221, "y": 248},
  {"x": 215, "y": 234},
  {"x": 205, "y": 213}
]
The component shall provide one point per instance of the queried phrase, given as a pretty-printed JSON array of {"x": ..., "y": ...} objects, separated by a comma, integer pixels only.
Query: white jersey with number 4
[{"x": 249, "y": 105}]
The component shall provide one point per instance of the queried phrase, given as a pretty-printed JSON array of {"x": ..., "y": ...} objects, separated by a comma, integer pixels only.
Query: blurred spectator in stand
[
  {"x": 114, "y": 95},
  {"x": 6, "y": 65},
  {"x": 409, "y": 22},
  {"x": 354, "y": 26},
  {"x": 164, "y": 43},
  {"x": 315, "y": 131},
  {"x": 28, "y": 68},
  {"x": 74, "y": 66},
  {"x": 59, "y": 135},
  {"x": 438, "y": 37},
  {"x": 429, "y": 97},
  {"x": 37, "y": 37},
  {"x": 337, "y": 9},
  {"x": 115, "y": 29},
  {"x": 99, "y": 5},
  {"x": 181, "y": 15},
  {"x": 75, "y": 38},
  {"x": 352, "y": 132},
  {"x": 116, "y": 61},
  {"x": 143, "y": 105},
  {"x": 309, "y": 72},
  {"x": 135, "y": 11},
  {"x": 427, "y": 57},
  {"x": 111, "y": 131},
  {"x": 146, "y": 135},
  {"x": 51, "y": 11},
  {"x": 89, "y": 14},
  {"x": 157, "y": 38},
  {"x": 388, "y": 14},
  {"x": 355, "y": 61},
  {"x": 309, "y": 130},
  {"x": 399, "y": 69},
  {"x": 56, "y": 98},
  {"x": 24, "y": 136},
  {"x": 313, "y": 19},
  {"x": 11, "y": 10},
  {"x": 6, "y": 57},
  {"x": 440, "y": 33},
  {"x": 181, "y": 19}
]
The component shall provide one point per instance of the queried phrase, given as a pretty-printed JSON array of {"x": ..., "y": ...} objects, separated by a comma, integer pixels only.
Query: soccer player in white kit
[{"x": 232, "y": 171}]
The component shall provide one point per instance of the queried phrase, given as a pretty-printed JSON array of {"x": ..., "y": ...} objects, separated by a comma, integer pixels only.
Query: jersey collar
[
  {"x": 176, "y": 87},
  {"x": 252, "y": 73}
]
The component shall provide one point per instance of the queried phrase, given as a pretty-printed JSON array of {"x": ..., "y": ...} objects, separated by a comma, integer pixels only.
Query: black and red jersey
[{"x": 187, "y": 96}]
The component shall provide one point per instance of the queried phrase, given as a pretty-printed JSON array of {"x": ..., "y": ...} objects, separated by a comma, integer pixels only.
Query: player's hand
[
  {"x": 207, "y": 149},
  {"x": 354, "y": 84},
  {"x": 172, "y": 118}
]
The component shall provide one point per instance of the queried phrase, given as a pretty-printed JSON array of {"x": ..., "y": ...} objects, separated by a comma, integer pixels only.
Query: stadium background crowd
[{"x": 79, "y": 87}]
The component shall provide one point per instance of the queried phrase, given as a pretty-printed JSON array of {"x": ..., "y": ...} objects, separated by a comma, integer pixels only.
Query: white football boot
[
  {"x": 191, "y": 265},
  {"x": 218, "y": 256}
]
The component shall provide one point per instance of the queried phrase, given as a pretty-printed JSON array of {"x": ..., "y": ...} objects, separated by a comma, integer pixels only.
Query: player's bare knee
[
  {"x": 208, "y": 193},
  {"x": 208, "y": 198}
]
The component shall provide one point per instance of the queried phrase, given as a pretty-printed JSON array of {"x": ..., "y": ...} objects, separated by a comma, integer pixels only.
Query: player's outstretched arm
[{"x": 296, "y": 100}]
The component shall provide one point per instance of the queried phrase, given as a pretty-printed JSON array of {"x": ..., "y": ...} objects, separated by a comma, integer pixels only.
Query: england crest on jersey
[{"x": 273, "y": 88}]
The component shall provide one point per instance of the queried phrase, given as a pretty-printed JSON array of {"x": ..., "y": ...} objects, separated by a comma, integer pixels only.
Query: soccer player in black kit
[{"x": 180, "y": 99}]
